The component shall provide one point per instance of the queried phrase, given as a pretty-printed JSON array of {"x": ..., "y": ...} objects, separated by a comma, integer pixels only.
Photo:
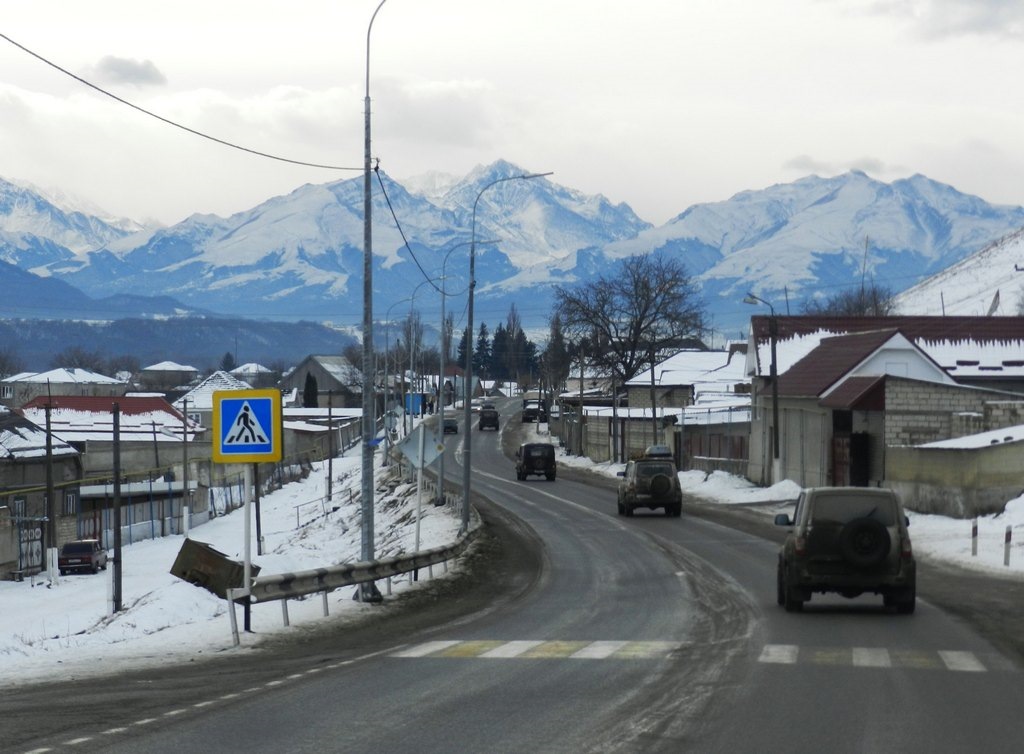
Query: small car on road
[
  {"x": 535, "y": 459},
  {"x": 81, "y": 555},
  {"x": 848, "y": 540},
  {"x": 451, "y": 427}
]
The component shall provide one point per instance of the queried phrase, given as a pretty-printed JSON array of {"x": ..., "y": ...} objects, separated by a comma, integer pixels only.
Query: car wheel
[
  {"x": 621, "y": 509},
  {"x": 677, "y": 510},
  {"x": 551, "y": 477},
  {"x": 906, "y": 601},
  {"x": 628, "y": 511},
  {"x": 792, "y": 599},
  {"x": 63, "y": 573},
  {"x": 864, "y": 542}
]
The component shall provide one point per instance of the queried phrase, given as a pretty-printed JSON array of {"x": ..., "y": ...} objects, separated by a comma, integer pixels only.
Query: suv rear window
[
  {"x": 648, "y": 469},
  {"x": 77, "y": 548},
  {"x": 842, "y": 509}
]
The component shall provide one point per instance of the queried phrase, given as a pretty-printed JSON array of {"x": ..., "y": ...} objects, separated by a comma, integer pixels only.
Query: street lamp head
[{"x": 750, "y": 298}]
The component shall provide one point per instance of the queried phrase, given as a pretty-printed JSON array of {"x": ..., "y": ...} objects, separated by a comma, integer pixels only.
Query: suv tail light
[
  {"x": 800, "y": 545},
  {"x": 906, "y": 551}
]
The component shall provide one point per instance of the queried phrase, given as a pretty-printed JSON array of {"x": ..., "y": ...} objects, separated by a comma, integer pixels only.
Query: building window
[
  {"x": 6, "y": 391},
  {"x": 70, "y": 509},
  {"x": 19, "y": 507}
]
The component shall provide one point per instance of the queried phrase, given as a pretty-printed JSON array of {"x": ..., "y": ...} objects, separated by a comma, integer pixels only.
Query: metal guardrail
[{"x": 284, "y": 586}]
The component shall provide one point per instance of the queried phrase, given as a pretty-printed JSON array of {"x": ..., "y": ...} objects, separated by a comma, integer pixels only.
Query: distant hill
[{"x": 198, "y": 342}]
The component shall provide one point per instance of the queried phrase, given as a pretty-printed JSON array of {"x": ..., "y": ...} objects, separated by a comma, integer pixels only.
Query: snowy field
[{"x": 64, "y": 630}]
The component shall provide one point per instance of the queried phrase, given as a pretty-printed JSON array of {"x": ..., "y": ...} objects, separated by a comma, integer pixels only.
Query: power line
[{"x": 169, "y": 122}]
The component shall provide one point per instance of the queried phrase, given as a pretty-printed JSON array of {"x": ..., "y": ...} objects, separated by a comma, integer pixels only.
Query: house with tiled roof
[
  {"x": 24, "y": 531},
  {"x": 856, "y": 398}
]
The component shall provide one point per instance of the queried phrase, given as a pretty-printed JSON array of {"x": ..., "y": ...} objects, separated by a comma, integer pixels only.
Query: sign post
[{"x": 247, "y": 428}]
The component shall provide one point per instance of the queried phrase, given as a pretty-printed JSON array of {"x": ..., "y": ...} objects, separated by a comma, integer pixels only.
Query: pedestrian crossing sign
[{"x": 246, "y": 426}]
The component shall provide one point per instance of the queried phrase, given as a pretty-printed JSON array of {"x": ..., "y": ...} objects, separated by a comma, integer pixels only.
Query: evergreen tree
[
  {"x": 482, "y": 354},
  {"x": 228, "y": 362},
  {"x": 460, "y": 354},
  {"x": 556, "y": 356},
  {"x": 499, "y": 354},
  {"x": 310, "y": 392}
]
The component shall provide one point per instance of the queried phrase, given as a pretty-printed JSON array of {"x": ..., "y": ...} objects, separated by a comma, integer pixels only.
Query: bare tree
[
  {"x": 873, "y": 301},
  {"x": 10, "y": 362},
  {"x": 76, "y": 357},
  {"x": 644, "y": 307}
]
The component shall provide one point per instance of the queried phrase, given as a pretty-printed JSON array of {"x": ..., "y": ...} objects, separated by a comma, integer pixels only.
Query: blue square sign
[{"x": 246, "y": 426}]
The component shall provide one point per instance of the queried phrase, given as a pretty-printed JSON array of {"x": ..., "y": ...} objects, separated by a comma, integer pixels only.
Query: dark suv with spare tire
[
  {"x": 651, "y": 482},
  {"x": 848, "y": 540}
]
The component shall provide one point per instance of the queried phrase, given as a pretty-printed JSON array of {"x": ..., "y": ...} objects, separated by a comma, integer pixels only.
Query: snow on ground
[{"x": 64, "y": 630}]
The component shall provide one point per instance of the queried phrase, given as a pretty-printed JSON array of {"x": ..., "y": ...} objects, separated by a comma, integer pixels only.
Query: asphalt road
[{"x": 572, "y": 629}]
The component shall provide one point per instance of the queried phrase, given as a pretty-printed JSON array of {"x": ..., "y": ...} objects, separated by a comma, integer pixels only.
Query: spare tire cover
[
  {"x": 661, "y": 485},
  {"x": 864, "y": 542}
]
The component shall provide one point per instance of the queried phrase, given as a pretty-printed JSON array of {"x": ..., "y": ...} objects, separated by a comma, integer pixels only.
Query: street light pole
[
  {"x": 773, "y": 334},
  {"x": 466, "y": 390},
  {"x": 444, "y": 360},
  {"x": 368, "y": 591}
]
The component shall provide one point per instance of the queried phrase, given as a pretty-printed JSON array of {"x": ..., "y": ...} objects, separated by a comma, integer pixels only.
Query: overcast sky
[{"x": 659, "y": 103}]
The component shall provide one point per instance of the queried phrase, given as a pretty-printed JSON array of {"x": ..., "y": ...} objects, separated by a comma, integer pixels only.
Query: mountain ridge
[{"x": 299, "y": 255}]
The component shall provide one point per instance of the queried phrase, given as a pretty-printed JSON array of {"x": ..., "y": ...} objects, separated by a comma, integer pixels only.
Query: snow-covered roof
[
  {"x": 250, "y": 369},
  {"x": 981, "y": 440},
  {"x": 200, "y": 398},
  {"x": 22, "y": 439},
  {"x": 693, "y": 367},
  {"x": 963, "y": 347},
  {"x": 82, "y": 419},
  {"x": 169, "y": 366},
  {"x": 63, "y": 376}
]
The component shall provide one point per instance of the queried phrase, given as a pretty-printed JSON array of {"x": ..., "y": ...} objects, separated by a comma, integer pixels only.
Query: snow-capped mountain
[
  {"x": 300, "y": 256},
  {"x": 988, "y": 281},
  {"x": 813, "y": 237}
]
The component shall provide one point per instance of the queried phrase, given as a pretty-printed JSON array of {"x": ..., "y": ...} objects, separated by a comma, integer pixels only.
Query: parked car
[
  {"x": 848, "y": 540},
  {"x": 488, "y": 417},
  {"x": 534, "y": 411},
  {"x": 651, "y": 481},
  {"x": 81, "y": 555},
  {"x": 451, "y": 426},
  {"x": 535, "y": 458}
]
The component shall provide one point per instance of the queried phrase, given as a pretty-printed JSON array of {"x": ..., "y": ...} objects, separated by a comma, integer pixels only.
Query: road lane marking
[
  {"x": 510, "y": 649},
  {"x": 541, "y": 650},
  {"x": 864, "y": 657},
  {"x": 427, "y": 648},
  {"x": 962, "y": 661},
  {"x": 779, "y": 653},
  {"x": 598, "y": 650},
  {"x": 879, "y": 657}
]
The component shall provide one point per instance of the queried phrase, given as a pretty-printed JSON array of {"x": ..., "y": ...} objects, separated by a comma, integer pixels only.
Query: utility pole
[{"x": 117, "y": 508}]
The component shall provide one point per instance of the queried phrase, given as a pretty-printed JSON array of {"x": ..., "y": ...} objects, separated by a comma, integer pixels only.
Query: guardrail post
[
  {"x": 974, "y": 538},
  {"x": 230, "y": 594},
  {"x": 326, "y": 612},
  {"x": 284, "y": 612},
  {"x": 1006, "y": 545},
  {"x": 389, "y": 586}
]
